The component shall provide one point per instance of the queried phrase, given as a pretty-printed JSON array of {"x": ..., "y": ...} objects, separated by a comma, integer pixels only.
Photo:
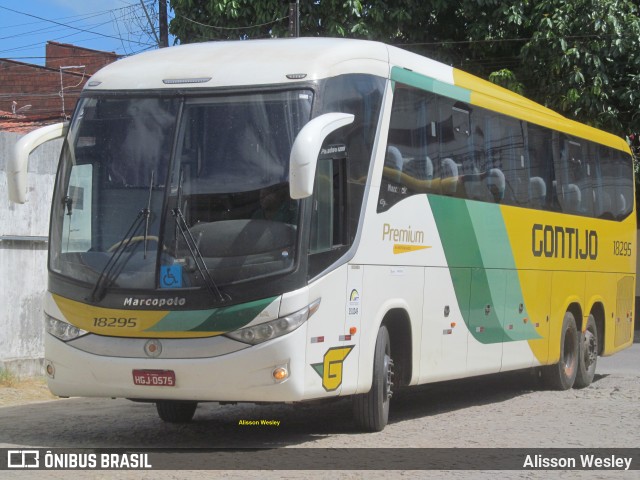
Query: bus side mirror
[
  {"x": 18, "y": 161},
  {"x": 306, "y": 148}
]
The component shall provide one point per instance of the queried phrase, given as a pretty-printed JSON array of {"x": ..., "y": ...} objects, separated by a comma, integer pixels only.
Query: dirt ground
[{"x": 24, "y": 391}]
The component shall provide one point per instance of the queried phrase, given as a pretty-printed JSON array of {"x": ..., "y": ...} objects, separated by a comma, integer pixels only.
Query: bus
[{"x": 290, "y": 220}]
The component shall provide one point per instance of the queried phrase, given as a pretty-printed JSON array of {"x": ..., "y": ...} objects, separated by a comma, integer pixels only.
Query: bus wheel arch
[
  {"x": 597, "y": 310},
  {"x": 576, "y": 311},
  {"x": 391, "y": 367},
  {"x": 371, "y": 409},
  {"x": 398, "y": 325},
  {"x": 562, "y": 375}
]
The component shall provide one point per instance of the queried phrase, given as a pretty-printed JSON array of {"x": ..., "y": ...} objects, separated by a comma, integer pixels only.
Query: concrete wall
[{"x": 23, "y": 261}]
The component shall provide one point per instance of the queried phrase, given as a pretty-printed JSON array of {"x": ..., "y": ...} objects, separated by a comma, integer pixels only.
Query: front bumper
[{"x": 244, "y": 375}]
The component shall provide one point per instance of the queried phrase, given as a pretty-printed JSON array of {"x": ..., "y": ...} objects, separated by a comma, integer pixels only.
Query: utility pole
[
  {"x": 153, "y": 28},
  {"x": 163, "y": 40},
  {"x": 294, "y": 19},
  {"x": 164, "y": 27}
]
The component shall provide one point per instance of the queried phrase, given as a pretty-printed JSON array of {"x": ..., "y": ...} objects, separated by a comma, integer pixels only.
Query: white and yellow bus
[{"x": 299, "y": 219}]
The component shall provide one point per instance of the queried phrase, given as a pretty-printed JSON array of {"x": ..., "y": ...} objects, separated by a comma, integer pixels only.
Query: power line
[
  {"x": 233, "y": 28},
  {"x": 55, "y": 28},
  {"x": 83, "y": 15},
  {"x": 505, "y": 40},
  {"x": 68, "y": 26}
]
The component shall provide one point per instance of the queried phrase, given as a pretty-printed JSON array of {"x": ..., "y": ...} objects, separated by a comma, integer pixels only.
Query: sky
[{"x": 118, "y": 26}]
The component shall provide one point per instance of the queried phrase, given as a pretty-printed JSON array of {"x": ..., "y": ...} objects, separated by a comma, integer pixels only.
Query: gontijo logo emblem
[
  {"x": 404, "y": 239},
  {"x": 330, "y": 370}
]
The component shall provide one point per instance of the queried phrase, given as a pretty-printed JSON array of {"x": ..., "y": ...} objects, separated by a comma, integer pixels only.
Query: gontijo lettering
[{"x": 563, "y": 242}]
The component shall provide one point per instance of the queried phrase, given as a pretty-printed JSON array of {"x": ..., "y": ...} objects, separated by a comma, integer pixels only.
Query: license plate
[{"x": 154, "y": 378}]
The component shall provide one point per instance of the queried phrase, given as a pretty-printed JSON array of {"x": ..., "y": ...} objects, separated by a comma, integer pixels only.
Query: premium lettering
[
  {"x": 402, "y": 234},
  {"x": 553, "y": 241}
]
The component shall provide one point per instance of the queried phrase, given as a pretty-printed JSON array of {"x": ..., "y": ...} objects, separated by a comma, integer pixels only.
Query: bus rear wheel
[
  {"x": 174, "y": 411},
  {"x": 371, "y": 410},
  {"x": 588, "y": 356},
  {"x": 562, "y": 375}
]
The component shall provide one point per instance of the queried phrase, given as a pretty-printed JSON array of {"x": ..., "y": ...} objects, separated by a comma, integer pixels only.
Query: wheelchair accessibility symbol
[{"x": 170, "y": 276}]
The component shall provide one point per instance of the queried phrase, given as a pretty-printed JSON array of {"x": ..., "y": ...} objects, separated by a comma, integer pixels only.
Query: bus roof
[
  {"x": 241, "y": 63},
  {"x": 281, "y": 61}
]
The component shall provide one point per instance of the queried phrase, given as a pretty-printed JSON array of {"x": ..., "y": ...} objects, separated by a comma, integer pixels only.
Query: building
[
  {"x": 36, "y": 93},
  {"x": 32, "y": 96}
]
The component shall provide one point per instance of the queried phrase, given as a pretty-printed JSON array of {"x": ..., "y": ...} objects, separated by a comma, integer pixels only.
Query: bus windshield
[{"x": 169, "y": 192}]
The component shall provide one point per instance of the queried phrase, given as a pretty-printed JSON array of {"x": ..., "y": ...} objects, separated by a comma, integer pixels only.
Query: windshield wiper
[
  {"x": 108, "y": 275},
  {"x": 148, "y": 215},
  {"x": 192, "y": 245}
]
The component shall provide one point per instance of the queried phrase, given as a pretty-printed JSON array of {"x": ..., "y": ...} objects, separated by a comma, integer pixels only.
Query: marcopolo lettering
[
  {"x": 154, "y": 302},
  {"x": 563, "y": 242}
]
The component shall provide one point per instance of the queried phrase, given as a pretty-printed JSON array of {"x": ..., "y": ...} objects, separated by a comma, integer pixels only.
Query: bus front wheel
[
  {"x": 588, "y": 356},
  {"x": 562, "y": 375},
  {"x": 173, "y": 411},
  {"x": 371, "y": 410}
]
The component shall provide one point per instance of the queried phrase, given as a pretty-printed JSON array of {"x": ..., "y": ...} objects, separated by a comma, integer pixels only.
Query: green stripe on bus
[
  {"x": 223, "y": 319},
  {"x": 491, "y": 235},
  {"x": 478, "y": 252},
  {"x": 417, "y": 80}
]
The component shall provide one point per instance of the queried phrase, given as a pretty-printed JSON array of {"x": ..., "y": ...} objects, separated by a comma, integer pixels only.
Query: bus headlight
[
  {"x": 62, "y": 330},
  {"x": 275, "y": 328}
]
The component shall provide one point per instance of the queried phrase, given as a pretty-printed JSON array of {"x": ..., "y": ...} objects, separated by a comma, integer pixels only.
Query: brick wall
[
  {"x": 62, "y": 55},
  {"x": 40, "y": 87}
]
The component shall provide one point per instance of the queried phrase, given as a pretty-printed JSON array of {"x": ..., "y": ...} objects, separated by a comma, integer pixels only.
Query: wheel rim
[
  {"x": 387, "y": 385},
  {"x": 589, "y": 349}
]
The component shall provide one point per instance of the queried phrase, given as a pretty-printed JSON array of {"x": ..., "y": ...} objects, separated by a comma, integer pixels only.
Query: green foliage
[
  {"x": 584, "y": 60},
  {"x": 581, "y": 58},
  {"x": 507, "y": 79}
]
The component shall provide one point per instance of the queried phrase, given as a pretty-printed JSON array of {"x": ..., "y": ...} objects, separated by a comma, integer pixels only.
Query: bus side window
[
  {"x": 329, "y": 217},
  {"x": 573, "y": 175},
  {"x": 77, "y": 222},
  {"x": 613, "y": 185},
  {"x": 410, "y": 164},
  {"x": 508, "y": 157},
  {"x": 541, "y": 174}
]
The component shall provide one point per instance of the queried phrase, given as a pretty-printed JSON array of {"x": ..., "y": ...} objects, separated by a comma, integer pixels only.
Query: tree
[
  {"x": 453, "y": 32},
  {"x": 581, "y": 58}
]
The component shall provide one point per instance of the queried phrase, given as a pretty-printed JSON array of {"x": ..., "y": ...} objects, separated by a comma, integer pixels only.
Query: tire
[
  {"x": 371, "y": 410},
  {"x": 588, "y": 354},
  {"x": 562, "y": 375},
  {"x": 173, "y": 411}
]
